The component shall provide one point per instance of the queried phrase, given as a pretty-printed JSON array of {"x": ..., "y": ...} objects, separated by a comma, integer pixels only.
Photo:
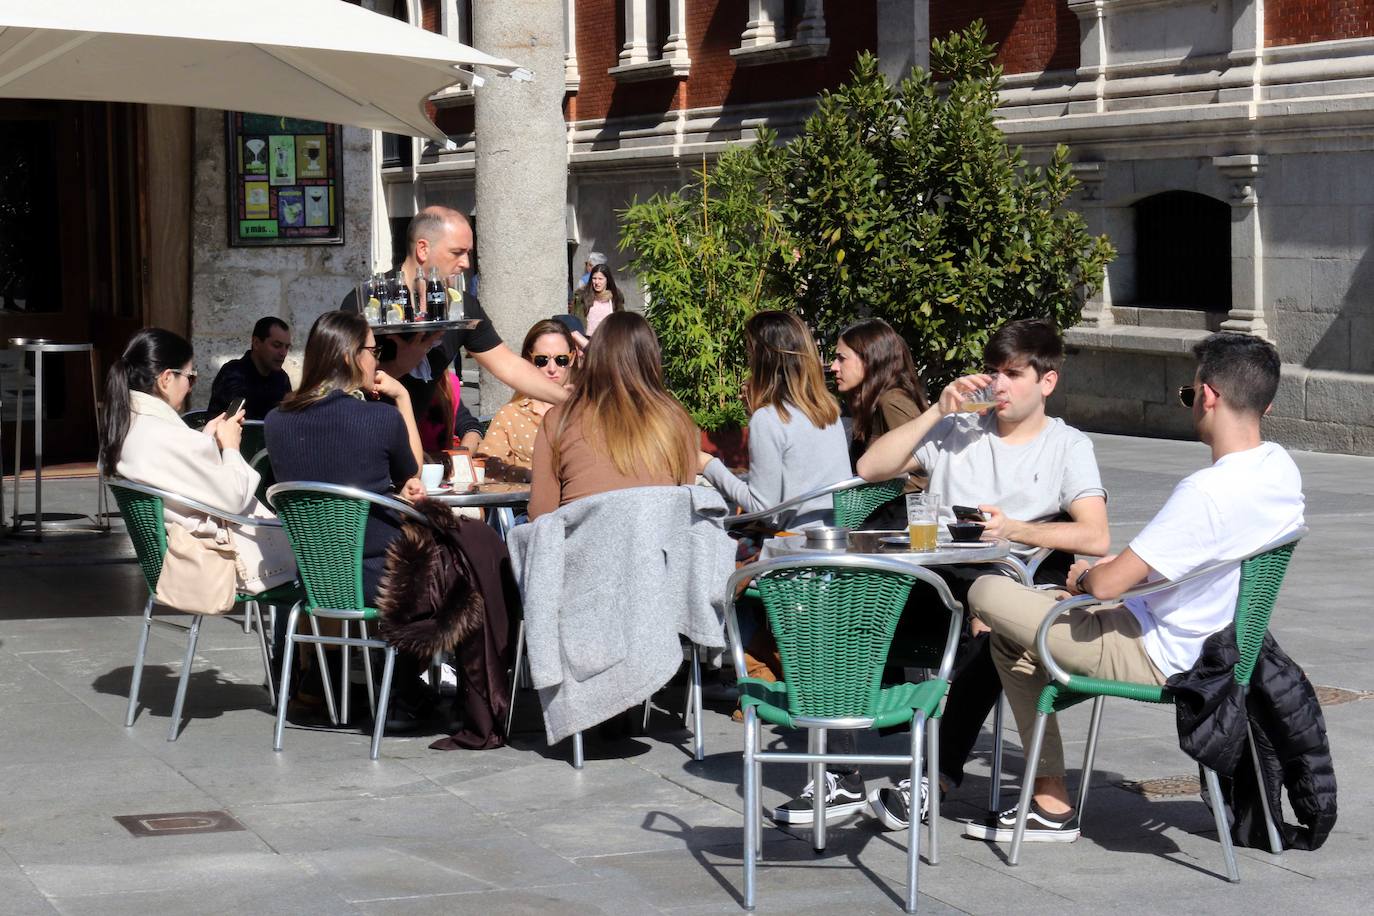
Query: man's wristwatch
[{"x": 1078, "y": 583}]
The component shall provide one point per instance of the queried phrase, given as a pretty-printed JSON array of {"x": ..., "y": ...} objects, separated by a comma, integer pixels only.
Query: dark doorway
[{"x": 1183, "y": 252}]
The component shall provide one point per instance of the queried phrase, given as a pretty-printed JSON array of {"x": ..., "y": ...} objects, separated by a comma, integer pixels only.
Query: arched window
[{"x": 1183, "y": 252}]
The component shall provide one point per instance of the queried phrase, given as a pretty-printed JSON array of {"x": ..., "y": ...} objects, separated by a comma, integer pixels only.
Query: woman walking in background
[{"x": 599, "y": 299}]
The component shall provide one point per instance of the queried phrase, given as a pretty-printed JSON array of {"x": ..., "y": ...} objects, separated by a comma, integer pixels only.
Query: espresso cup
[{"x": 431, "y": 475}]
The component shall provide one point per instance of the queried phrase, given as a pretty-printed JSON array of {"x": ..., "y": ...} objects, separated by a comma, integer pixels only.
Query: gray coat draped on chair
[{"x": 609, "y": 583}]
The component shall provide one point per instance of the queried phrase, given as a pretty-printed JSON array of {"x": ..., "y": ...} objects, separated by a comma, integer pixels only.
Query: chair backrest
[
  {"x": 262, "y": 463},
  {"x": 144, "y": 521},
  {"x": 326, "y": 532},
  {"x": 854, "y": 506},
  {"x": 1260, "y": 579},
  {"x": 833, "y": 628},
  {"x": 254, "y": 438}
]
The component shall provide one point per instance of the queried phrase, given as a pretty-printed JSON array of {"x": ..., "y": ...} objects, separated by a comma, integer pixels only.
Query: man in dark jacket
[
  {"x": 257, "y": 376},
  {"x": 1250, "y": 495}
]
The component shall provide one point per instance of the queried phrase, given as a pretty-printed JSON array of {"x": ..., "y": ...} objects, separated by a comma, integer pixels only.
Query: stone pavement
[{"x": 643, "y": 828}]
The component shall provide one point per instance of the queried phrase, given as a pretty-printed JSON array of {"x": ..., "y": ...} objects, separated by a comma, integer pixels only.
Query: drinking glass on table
[{"x": 921, "y": 520}]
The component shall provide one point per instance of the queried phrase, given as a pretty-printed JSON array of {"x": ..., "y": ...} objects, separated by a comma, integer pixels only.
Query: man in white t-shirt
[
  {"x": 1250, "y": 496},
  {"x": 1033, "y": 476}
]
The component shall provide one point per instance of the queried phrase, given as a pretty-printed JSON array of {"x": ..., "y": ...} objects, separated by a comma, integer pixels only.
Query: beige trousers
[{"x": 1103, "y": 643}]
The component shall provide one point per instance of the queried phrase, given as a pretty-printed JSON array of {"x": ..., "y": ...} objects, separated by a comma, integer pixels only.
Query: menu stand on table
[{"x": 38, "y": 347}]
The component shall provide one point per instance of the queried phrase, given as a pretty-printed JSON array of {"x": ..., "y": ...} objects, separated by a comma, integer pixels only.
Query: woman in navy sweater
[{"x": 334, "y": 430}]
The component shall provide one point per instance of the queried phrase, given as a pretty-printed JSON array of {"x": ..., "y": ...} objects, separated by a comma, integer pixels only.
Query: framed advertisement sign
[{"x": 285, "y": 181}]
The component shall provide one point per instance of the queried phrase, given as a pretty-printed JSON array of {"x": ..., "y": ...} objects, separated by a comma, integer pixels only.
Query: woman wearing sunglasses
[
  {"x": 144, "y": 440},
  {"x": 509, "y": 443}
]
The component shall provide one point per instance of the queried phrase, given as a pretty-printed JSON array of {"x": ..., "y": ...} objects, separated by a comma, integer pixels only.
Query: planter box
[{"x": 730, "y": 445}]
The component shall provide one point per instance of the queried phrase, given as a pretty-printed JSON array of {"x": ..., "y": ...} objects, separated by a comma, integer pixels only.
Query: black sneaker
[
  {"x": 891, "y": 805},
  {"x": 1041, "y": 827},
  {"x": 844, "y": 795}
]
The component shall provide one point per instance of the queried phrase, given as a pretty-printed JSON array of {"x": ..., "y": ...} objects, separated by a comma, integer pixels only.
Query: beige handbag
[{"x": 197, "y": 573}]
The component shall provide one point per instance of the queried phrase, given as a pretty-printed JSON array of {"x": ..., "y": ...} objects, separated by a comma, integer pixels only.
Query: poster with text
[{"x": 285, "y": 180}]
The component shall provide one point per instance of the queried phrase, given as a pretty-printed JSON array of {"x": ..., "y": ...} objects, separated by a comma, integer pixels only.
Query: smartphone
[
  {"x": 968, "y": 514},
  {"x": 234, "y": 407}
]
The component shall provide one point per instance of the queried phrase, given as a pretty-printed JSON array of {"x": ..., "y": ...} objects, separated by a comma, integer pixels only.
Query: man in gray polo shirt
[{"x": 1033, "y": 476}]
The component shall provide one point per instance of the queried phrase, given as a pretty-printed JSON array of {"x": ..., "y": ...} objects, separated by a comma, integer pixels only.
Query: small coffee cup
[{"x": 431, "y": 475}]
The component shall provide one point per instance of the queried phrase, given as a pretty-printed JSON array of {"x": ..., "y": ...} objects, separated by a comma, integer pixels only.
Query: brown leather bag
[{"x": 198, "y": 574}]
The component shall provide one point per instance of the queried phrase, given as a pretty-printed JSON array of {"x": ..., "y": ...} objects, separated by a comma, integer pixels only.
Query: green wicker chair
[
  {"x": 857, "y": 502},
  {"x": 833, "y": 618},
  {"x": 142, "y": 509},
  {"x": 1261, "y": 575},
  {"x": 326, "y": 524},
  {"x": 855, "y": 499}
]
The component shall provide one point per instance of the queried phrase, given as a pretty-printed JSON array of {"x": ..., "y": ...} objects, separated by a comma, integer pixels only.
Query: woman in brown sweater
[
  {"x": 876, "y": 375},
  {"x": 619, "y": 429}
]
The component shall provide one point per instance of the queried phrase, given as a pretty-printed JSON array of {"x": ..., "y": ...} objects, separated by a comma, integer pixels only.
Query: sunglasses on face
[
  {"x": 562, "y": 361},
  {"x": 1188, "y": 394},
  {"x": 189, "y": 376}
]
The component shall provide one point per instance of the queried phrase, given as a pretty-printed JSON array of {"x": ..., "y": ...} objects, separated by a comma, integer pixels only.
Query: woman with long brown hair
[
  {"x": 333, "y": 428},
  {"x": 796, "y": 441},
  {"x": 619, "y": 429},
  {"x": 599, "y": 299},
  {"x": 876, "y": 375}
]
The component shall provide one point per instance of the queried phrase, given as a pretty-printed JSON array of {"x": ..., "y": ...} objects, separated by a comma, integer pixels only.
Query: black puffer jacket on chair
[{"x": 1290, "y": 732}]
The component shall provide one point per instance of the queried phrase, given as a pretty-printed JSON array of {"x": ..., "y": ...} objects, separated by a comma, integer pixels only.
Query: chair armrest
[
  {"x": 400, "y": 507},
  {"x": 847, "y": 484},
  {"x": 1042, "y": 634},
  {"x": 194, "y": 505}
]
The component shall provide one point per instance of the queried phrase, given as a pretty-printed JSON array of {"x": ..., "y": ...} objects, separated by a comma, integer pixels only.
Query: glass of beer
[
  {"x": 921, "y": 520},
  {"x": 979, "y": 400}
]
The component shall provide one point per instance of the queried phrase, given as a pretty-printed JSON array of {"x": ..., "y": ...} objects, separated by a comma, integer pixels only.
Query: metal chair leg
[
  {"x": 1027, "y": 788},
  {"x": 752, "y": 815},
  {"x": 913, "y": 852},
  {"x": 1223, "y": 828},
  {"x": 515, "y": 674},
  {"x": 288, "y": 658},
  {"x": 818, "y": 795},
  {"x": 932, "y": 777},
  {"x": 995, "y": 785},
  {"x": 324, "y": 674},
  {"x": 1089, "y": 753},
  {"x": 345, "y": 670},
  {"x": 698, "y": 737},
  {"x": 379, "y": 723},
  {"x": 249, "y": 608},
  {"x": 138, "y": 663},
  {"x": 578, "y": 758},
  {"x": 367, "y": 670},
  {"x": 192, "y": 635},
  {"x": 644, "y": 725},
  {"x": 1270, "y": 822},
  {"x": 266, "y": 656}
]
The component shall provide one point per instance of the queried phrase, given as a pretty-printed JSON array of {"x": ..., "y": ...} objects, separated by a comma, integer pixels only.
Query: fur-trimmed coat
[{"x": 448, "y": 586}]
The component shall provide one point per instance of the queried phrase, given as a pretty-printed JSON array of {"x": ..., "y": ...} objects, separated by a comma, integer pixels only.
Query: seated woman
[
  {"x": 619, "y": 429},
  {"x": 796, "y": 441},
  {"x": 875, "y": 373},
  {"x": 508, "y": 445},
  {"x": 142, "y": 439},
  {"x": 333, "y": 429}
]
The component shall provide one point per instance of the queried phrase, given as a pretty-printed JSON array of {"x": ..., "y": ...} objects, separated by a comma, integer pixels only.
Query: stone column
[
  {"x": 903, "y": 37},
  {"x": 761, "y": 28},
  {"x": 522, "y": 172},
  {"x": 1247, "y": 248},
  {"x": 638, "y": 29},
  {"x": 1097, "y": 311}
]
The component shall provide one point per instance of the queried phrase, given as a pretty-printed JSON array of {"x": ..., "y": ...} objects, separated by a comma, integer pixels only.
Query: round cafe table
[
  {"x": 503, "y": 497},
  {"x": 995, "y": 552}
]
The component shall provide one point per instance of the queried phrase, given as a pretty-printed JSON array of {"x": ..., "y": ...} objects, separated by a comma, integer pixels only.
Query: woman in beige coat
[{"x": 145, "y": 441}]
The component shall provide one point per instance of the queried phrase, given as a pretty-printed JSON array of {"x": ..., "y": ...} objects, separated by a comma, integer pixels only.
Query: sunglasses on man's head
[{"x": 562, "y": 361}]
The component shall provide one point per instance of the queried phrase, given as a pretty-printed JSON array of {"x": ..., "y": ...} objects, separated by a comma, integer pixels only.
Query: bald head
[{"x": 439, "y": 237}]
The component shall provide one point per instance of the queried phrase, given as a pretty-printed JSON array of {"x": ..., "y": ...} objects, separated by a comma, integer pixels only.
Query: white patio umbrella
[{"x": 325, "y": 60}]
